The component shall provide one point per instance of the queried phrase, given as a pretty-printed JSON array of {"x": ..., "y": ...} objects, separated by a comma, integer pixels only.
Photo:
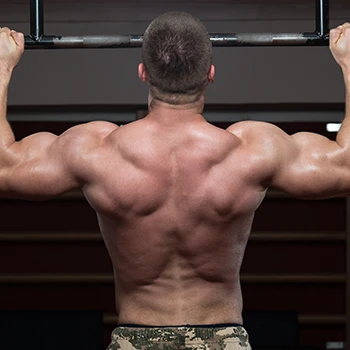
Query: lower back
[
  {"x": 200, "y": 303},
  {"x": 174, "y": 278}
]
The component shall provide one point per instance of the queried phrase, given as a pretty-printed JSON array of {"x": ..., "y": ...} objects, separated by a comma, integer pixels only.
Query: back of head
[{"x": 177, "y": 54}]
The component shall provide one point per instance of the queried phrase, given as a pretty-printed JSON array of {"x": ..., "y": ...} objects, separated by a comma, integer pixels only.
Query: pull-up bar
[{"x": 38, "y": 40}]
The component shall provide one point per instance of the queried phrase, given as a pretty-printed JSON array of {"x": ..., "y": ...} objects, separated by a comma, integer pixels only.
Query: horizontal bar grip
[{"x": 218, "y": 40}]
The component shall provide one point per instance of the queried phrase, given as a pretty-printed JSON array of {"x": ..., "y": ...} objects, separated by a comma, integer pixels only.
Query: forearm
[
  {"x": 343, "y": 137},
  {"x": 6, "y": 135}
]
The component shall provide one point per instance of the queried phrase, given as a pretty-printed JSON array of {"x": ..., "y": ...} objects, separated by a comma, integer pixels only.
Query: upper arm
[
  {"x": 311, "y": 166},
  {"x": 44, "y": 165},
  {"x": 304, "y": 165}
]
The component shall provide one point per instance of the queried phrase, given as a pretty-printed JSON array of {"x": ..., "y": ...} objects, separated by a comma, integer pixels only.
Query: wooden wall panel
[
  {"x": 54, "y": 258},
  {"x": 306, "y": 298},
  {"x": 318, "y": 336},
  {"x": 58, "y": 296},
  {"x": 293, "y": 215},
  {"x": 60, "y": 215},
  {"x": 294, "y": 257}
]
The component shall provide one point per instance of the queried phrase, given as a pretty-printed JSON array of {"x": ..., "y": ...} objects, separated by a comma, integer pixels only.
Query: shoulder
[
  {"x": 263, "y": 137},
  {"x": 254, "y": 130},
  {"x": 98, "y": 129},
  {"x": 87, "y": 134},
  {"x": 81, "y": 142},
  {"x": 264, "y": 143}
]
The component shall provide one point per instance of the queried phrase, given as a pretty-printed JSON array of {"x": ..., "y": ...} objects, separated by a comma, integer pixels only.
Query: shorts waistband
[{"x": 215, "y": 325}]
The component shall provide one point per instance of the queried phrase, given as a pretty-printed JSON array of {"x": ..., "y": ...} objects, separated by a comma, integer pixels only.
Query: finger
[
  {"x": 18, "y": 38},
  {"x": 346, "y": 30},
  {"x": 335, "y": 35},
  {"x": 5, "y": 30}
]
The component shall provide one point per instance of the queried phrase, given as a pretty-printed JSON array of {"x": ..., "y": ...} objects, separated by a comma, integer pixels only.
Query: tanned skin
[{"x": 175, "y": 196}]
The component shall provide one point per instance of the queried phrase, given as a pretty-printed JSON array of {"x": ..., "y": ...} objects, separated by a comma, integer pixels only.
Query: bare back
[{"x": 175, "y": 206}]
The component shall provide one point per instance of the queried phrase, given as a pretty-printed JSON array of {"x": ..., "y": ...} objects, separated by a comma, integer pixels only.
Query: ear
[
  {"x": 211, "y": 74},
  {"x": 142, "y": 72}
]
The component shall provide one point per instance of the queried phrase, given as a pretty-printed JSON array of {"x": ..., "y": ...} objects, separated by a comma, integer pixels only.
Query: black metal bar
[
  {"x": 322, "y": 17},
  {"x": 268, "y": 39},
  {"x": 37, "y": 39},
  {"x": 218, "y": 40},
  {"x": 36, "y": 19}
]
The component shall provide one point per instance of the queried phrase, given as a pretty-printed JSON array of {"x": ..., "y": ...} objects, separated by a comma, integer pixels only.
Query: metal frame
[{"x": 38, "y": 40}]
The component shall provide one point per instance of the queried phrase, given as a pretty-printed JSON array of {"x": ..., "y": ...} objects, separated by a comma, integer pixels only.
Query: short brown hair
[{"x": 177, "y": 54}]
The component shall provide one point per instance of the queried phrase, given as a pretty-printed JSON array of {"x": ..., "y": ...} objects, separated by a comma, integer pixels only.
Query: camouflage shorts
[{"x": 185, "y": 337}]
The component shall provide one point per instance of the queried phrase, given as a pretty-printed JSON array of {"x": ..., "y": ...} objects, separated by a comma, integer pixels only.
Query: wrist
[
  {"x": 5, "y": 76},
  {"x": 346, "y": 74},
  {"x": 346, "y": 70}
]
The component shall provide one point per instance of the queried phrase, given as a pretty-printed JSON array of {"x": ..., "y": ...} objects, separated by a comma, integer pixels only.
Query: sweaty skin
[
  {"x": 175, "y": 218},
  {"x": 175, "y": 196}
]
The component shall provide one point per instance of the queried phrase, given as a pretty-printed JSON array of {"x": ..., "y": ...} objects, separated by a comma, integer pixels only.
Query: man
[{"x": 175, "y": 196}]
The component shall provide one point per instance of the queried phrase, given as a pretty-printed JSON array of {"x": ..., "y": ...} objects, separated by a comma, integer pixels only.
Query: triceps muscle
[
  {"x": 35, "y": 168},
  {"x": 317, "y": 169}
]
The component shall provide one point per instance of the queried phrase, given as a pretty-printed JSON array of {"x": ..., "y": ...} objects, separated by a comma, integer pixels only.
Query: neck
[{"x": 176, "y": 112}]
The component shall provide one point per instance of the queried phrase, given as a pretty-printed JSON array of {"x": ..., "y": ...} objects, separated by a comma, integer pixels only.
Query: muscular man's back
[{"x": 175, "y": 202}]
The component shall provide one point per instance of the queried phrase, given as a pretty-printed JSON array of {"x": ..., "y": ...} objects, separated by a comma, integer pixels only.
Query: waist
[
  {"x": 197, "y": 316},
  {"x": 195, "y": 307}
]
